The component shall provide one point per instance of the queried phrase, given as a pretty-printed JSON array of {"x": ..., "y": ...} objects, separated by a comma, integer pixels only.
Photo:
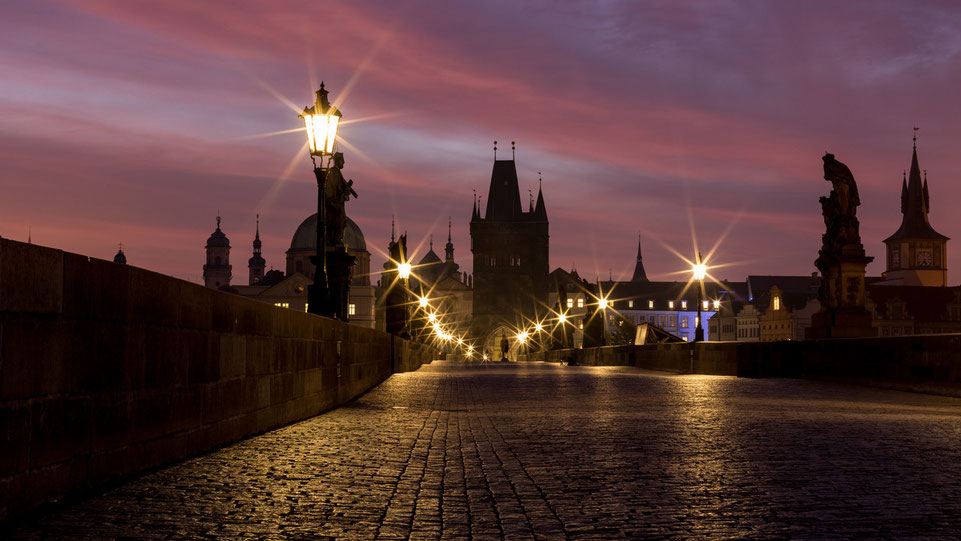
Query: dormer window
[{"x": 777, "y": 303}]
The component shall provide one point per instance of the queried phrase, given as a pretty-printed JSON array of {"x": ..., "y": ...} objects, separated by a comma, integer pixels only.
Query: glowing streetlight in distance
[
  {"x": 562, "y": 318},
  {"x": 602, "y": 303},
  {"x": 460, "y": 341},
  {"x": 699, "y": 269},
  {"x": 470, "y": 348},
  {"x": 521, "y": 336},
  {"x": 423, "y": 302},
  {"x": 403, "y": 270},
  {"x": 431, "y": 318},
  {"x": 538, "y": 327}
]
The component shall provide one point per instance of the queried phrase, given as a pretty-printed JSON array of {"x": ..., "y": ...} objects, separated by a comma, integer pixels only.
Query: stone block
[
  {"x": 203, "y": 357},
  {"x": 259, "y": 355},
  {"x": 60, "y": 428},
  {"x": 154, "y": 298},
  {"x": 196, "y": 306},
  {"x": 94, "y": 288},
  {"x": 233, "y": 355},
  {"x": 31, "y": 278},
  {"x": 36, "y": 355},
  {"x": 166, "y": 358},
  {"x": 14, "y": 438},
  {"x": 97, "y": 357}
]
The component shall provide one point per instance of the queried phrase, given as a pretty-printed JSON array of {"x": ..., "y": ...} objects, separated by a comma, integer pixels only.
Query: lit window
[
  {"x": 683, "y": 305},
  {"x": 684, "y": 322},
  {"x": 351, "y": 309},
  {"x": 717, "y": 305},
  {"x": 630, "y": 304},
  {"x": 704, "y": 305},
  {"x": 673, "y": 321},
  {"x": 650, "y": 304},
  {"x": 580, "y": 324},
  {"x": 777, "y": 303},
  {"x": 570, "y": 303},
  {"x": 580, "y": 303},
  {"x": 670, "y": 304},
  {"x": 282, "y": 304}
]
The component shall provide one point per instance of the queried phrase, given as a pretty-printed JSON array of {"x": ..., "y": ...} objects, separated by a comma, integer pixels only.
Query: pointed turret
[
  {"x": 540, "y": 209},
  {"x": 449, "y": 247},
  {"x": 475, "y": 213},
  {"x": 639, "y": 274},
  {"x": 914, "y": 206},
  {"x": 904, "y": 192},
  {"x": 256, "y": 264}
]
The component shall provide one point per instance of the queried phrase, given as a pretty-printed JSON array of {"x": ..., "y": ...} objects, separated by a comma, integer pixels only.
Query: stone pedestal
[
  {"x": 842, "y": 297},
  {"x": 340, "y": 267}
]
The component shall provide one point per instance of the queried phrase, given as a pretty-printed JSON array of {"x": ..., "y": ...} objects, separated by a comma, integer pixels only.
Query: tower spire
[
  {"x": 449, "y": 248},
  {"x": 639, "y": 274},
  {"x": 391, "y": 228}
]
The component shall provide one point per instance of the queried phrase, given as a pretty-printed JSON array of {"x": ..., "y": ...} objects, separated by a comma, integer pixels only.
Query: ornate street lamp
[
  {"x": 321, "y": 122},
  {"x": 699, "y": 270}
]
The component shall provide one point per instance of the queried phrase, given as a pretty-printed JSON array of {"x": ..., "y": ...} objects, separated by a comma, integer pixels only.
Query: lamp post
[
  {"x": 321, "y": 122},
  {"x": 699, "y": 270}
]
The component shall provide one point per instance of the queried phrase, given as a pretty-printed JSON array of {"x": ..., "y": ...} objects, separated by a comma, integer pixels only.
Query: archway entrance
[{"x": 493, "y": 344}]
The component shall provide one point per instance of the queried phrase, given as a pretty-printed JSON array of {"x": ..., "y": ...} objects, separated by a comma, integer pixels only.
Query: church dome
[
  {"x": 217, "y": 238},
  {"x": 305, "y": 238}
]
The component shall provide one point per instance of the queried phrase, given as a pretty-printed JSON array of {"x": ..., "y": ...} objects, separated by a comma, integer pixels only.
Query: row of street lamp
[{"x": 321, "y": 122}]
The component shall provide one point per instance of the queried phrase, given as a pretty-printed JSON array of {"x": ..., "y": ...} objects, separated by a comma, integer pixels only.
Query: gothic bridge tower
[{"x": 511, "y": 266}]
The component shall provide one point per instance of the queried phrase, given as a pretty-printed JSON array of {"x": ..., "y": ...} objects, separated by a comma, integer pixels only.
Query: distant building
[
  {"x": 788, "y": 315},
  {"x": 916, "y": 253},
  {"x": 754, "y": 318},
  {"x": 217, "y": 269},
  {"x": 289, "y": 290},
  {"x": 121, "y": 257},
  {"x": 511, "y": 266},
  {"x": 905, "y": 310}
]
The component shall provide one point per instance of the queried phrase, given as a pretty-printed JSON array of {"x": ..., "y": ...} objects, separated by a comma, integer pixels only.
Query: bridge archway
[{"x": 492, "y": 343}]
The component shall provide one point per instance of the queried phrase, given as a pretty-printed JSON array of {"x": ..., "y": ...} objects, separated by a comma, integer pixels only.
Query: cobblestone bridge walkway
[{"x": 515, "y": 451}]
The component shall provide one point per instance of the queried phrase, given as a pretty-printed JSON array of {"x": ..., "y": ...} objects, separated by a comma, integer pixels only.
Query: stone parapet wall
[
  {"x": 108, "y": 370},
  {"x": 923, "y": 363}
]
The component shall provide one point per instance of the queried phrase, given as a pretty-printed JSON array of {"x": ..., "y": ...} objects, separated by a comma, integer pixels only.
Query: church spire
[
  {"x": 257, "y": 243},
  {"x": 639, "y": 274},
  {"x": 449, "y": 248},
  {"x": 915, "y": 203},
  {"x": 540, "y": 209}
]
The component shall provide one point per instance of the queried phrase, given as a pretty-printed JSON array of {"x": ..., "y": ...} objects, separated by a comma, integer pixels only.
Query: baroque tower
[
  {"x": 916, "y": 253},
  {"x": 217, "y": 268},
  {"x": 511, "y": 266},
  {"x": 257, "y": 264}
]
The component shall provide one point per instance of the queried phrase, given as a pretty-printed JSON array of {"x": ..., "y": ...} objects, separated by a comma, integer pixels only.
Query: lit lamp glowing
[
  {"x": 320, "y": 123},
  {"x": 602, "y": 303},
  {"x": 403, "y": 271},
  {"x": 562, "y": 318},
  {"x": 432, "y": 318},
  {"x": 700, "y": 270},
  {"x": 422, "y": 302},
  {"x": 460, "y": 341},
  {"x": 538, "y": 327}
]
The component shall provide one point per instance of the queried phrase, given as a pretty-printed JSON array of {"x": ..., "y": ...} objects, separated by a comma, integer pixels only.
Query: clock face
[{"x": 925, "y": 258}]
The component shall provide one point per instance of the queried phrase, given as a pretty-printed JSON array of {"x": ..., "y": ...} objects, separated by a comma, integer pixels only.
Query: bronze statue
[{"x": 337, "y": 192}]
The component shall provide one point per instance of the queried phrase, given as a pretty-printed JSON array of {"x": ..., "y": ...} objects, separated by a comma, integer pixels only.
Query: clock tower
[{"x": 916, "y": 253}]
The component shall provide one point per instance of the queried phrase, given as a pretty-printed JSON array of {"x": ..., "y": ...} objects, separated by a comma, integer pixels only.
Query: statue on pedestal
[
  {"x": 841, "y": 260},
  {"x": 340, "y": 264}
]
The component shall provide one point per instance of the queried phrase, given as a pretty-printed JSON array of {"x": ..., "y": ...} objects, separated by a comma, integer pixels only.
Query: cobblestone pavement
[{"x": 521, "y": 451}]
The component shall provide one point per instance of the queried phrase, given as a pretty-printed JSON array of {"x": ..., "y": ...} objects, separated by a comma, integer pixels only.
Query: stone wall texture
[
  {"x": 923, "y": 363},
  {"x": 107, "y": 370}
]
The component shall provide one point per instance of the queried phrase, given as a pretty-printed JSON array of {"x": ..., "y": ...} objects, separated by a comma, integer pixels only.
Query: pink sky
[{"x": 137, "y": 122}]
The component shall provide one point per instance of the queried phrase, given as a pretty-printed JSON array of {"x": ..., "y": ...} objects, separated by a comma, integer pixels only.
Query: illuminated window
[
  {"x": 282, "y": 304},
  {"x": 580, "y": 324},
  {"x": 630, "y": 304},
  {"x": 351, "y": 309},
  {"x": 683, "y": 305},
  {"x": 673, "y": 321},
  {"x": 570, "y": 303},
  {"x": 777, "y": 303},
  {"x": 684, "y": 322},
  {"x": 670, "y": 304},
  {"x": 717, "y": 305},
  {"x": 580, "y": 303},
  {"x": 704, "y": 305},
  {"x": 650, "y": 304}
]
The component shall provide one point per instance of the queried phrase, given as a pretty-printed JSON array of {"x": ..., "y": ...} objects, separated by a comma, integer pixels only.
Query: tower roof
[
  {"x": 914, "y": 207},
  {"x": 639, "y": 274},
  {"x": 503, "y": 198},
  {"x": 540, "y": 209},
  {"x": 217, "y": 238}
]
